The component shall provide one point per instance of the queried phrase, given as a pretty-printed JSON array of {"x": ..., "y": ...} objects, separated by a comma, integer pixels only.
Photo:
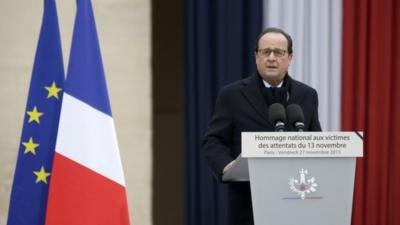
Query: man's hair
[{"x": 279, "y": 31}]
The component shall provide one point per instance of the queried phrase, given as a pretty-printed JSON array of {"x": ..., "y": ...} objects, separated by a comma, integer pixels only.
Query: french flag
[{"x": 87, "y": 185}]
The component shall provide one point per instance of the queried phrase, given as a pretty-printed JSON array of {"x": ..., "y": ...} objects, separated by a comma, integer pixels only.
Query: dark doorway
[{"x": 167, "y": 113}]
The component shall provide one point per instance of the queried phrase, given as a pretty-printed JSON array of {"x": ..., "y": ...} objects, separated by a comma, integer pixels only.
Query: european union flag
[{"x": 35, "y": 157}]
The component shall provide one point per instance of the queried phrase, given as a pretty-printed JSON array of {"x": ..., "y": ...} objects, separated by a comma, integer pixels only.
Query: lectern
[{"x": 304, "y": 178}]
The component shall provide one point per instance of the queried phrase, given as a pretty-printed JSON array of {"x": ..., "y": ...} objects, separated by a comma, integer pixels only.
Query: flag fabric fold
[
  {"x": 88, "y": 184},
  {"x": 28, "y": 200}
]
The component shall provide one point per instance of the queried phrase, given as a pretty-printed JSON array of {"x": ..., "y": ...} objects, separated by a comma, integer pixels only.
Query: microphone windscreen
[
  {"x": 295, "y": 114},
  {"x": 276, "y": 112}
]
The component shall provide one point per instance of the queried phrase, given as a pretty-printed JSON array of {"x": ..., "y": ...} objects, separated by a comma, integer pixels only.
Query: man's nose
[{"x": 271, "y": 57}]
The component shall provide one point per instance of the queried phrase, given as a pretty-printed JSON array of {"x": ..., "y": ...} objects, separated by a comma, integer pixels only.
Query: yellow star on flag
[
  {"x": 30, "y": 146},
  {"x": 53, "y": 90},
  {"x": 41, "y": 175},
  {"x": 34, "y": 115}
]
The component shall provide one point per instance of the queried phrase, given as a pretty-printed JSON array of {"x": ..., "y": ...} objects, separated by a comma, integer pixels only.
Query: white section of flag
[{"x": 87, "y": 136}]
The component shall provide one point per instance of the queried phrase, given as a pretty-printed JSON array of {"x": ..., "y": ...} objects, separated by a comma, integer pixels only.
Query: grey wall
[{"x": 124, "y": 29}]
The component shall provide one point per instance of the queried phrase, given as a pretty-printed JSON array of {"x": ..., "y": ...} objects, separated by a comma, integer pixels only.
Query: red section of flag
[{"x": 79, "y": 196}]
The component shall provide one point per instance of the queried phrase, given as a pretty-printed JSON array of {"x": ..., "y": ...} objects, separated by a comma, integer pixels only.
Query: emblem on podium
[{"x": 303, "y": 185}]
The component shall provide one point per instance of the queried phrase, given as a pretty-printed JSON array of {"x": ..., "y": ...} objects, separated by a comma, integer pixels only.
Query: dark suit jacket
[{"x": 241, "y": 107}]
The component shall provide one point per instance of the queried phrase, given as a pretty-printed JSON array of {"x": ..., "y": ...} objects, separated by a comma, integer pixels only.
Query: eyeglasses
[{"x": 267, "y": 51}]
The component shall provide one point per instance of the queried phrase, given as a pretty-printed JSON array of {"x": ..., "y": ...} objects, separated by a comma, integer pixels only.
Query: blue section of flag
[
  {"x": 85, "y": 78},
  {"x": 36, "y": 149}
]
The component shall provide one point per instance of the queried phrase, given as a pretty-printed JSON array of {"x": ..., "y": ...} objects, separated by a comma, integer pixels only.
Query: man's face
[{"x": 272, "y": 57}]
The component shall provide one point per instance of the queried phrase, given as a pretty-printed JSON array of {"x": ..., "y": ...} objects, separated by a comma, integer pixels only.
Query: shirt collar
[{"x": 267, "y": 85}]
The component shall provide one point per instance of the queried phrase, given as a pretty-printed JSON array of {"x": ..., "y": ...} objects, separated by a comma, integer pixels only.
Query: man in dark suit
[{"x": 243, "y": 106}]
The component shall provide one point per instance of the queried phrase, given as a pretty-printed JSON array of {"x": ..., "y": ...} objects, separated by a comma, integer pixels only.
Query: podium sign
[{"x": 302, "y": 177}]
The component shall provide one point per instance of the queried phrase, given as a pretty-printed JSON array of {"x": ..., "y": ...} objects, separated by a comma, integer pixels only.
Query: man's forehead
[{"x": 273, "y": 38}]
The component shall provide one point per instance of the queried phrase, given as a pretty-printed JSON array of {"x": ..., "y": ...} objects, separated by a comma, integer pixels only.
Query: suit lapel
[
  {"x": 252, "y": 93},
  {"x": 296, "y": 94}
]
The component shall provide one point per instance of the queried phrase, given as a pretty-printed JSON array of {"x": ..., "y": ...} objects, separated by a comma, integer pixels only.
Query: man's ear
[{"x": 290, "y": 58}]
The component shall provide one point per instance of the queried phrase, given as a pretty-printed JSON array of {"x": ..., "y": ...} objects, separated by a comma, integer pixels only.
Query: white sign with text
[{"x": 302, "y": 144}]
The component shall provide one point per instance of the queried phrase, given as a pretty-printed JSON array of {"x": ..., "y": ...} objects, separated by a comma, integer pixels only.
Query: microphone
[
  {"x": 295, "y": 116},
  {"x": 277, "y": 116}
]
